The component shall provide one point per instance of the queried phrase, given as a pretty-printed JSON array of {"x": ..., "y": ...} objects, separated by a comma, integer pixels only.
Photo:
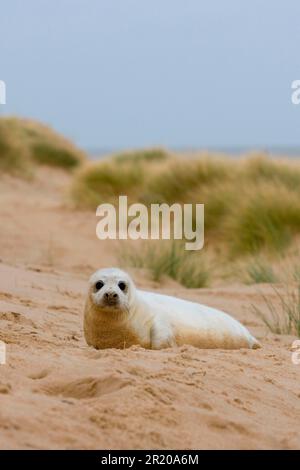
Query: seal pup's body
[{"x": 117, "y": 315}]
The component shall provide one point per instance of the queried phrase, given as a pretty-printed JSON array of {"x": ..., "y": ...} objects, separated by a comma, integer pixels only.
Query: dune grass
[
  {"x": 168, "y": 259},
  {"x": 285, "y": 318},
  {"x": 104, "y": 182},
  {"x": 265, "y": 217},
  {"x": 14, "y": 157},
  {"x": 259, "y": 271},
  {"x": 251, "y": 204},
  {"x": 296, "y": 273},
  {"x": 46, "y": 153},
  {"x": 183, "y": 176},
  {"x": 260, "y": 168},
  {"x": 25, "y": 143},
  {"x": 48, "y": 147},
  {"x": 142, "y": 155}
]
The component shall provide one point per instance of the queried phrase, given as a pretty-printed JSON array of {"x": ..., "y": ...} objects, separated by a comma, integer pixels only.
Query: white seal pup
[{"x": 117, "y": 315}]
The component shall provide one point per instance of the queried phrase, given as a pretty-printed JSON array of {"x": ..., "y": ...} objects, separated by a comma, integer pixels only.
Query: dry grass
[
  {"x": 284, "y": 319},
  {"x": 104, "y": 182},
  {"x": 266, "y": 216},
  {"x": 14, "y": 157},
  {"x": 183, "y": 177},
  {"x": 25, "y": 143},
  {"x": 260, "y": 271},
  {"x": 251, "y": 204},
  {"x": 168, "y": 259},
  {"x": 142, "y": 155}
]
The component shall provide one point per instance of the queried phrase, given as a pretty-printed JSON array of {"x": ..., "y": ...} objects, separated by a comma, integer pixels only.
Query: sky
[{"x": 137, "y": 73}]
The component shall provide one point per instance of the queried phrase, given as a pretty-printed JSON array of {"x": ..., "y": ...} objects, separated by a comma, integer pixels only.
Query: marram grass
[
  {"x": 251, "y": 204},
  {"x": 168, "y": 259},
  {"x": 25, "y": 144}
]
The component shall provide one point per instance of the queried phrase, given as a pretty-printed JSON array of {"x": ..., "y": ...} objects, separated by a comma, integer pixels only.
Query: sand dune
[{"x": 55, "y": 392}]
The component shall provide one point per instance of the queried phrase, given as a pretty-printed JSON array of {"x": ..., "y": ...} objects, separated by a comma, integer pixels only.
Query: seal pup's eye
[
  {"x": 99, "y": 285},
  {"x": 122, "y": 285}
]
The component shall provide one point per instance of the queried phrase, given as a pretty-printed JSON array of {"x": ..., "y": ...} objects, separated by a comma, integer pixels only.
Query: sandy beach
[{"x": 55, "y": 392}]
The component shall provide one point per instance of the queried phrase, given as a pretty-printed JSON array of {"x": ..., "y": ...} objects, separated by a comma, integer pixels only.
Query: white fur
[
  {"x": 172, "y": 310},
  {"x": 162, "y": 320}
]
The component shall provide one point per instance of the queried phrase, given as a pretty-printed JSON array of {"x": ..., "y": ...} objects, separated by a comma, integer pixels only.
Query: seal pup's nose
[{"x": 111, "y": 297}]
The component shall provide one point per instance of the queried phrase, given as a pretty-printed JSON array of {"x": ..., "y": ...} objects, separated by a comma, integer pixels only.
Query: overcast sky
[{"x": 130, "y": 73}]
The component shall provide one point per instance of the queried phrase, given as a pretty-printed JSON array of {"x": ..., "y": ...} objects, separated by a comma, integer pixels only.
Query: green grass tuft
[
  {"x": 259, "y": 272},
  {"x": 284, "y": 319},
  {"x": 251, "y": 205},
  {"x": 265, "y": 217},
  {"x": 104, "y": 182},
  {"x": 25, "y": 143},
  {"x": 142, "y": 155},
  {"x": 169, "y": 259},
  {"x": 48, "y": 154},
  {"x": 14, "y": 157},
  {"x": 260, "y": 168},
  {"x": 182, "y": 177}
]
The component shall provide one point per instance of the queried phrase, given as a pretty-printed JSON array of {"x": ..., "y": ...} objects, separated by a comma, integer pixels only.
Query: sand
[{"x": 57, "y": 393}]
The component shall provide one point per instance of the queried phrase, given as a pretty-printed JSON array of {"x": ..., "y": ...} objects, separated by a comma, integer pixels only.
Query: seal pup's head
[
  {"x": 112, "y": 309},
  {"x": 111, "y": 290}
]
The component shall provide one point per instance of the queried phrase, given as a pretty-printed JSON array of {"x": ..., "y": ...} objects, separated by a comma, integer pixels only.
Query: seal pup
[{"x": 117, "y": 315}]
